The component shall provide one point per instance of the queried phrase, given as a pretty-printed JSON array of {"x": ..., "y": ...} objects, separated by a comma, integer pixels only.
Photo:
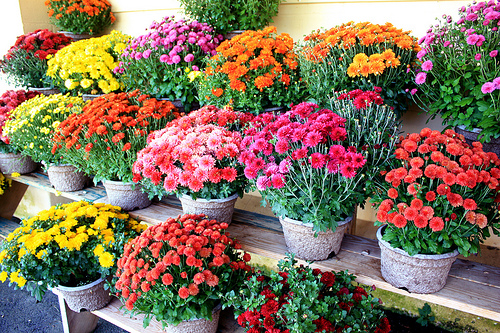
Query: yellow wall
[{"x": 296, "y": 17}]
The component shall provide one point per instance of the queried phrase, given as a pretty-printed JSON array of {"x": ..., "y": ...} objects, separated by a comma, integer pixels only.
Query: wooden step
[
  {"x": 471, "y": 287},
  {"x": 6, "y": 227},
  {"x": 41, "y": 181}
]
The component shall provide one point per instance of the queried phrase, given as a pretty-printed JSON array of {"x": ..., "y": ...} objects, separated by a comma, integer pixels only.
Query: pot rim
[
  {"x": 89, "y": 285},
  {"x": 118, "y": 182},
  {"x": 474, "y": 130},
  {"x": 230, "y": 198},
  {"x": 309, "y": 224},
  {"x": 418, "y": 256}
]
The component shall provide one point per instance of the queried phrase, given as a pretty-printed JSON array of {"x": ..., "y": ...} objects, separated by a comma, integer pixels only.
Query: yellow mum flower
[
  {"x": 3, "y": 276},
  {"x": 106, "y": 259}
]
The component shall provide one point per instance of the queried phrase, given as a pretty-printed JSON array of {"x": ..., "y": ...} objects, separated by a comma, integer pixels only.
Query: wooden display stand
[{"x": 471, "y": 287}]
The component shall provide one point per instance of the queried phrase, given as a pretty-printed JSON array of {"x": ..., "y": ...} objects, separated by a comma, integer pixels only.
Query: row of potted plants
[
  {"x": 311, "y": 165},
  {"x": 179, "y": 272},
  {"x": 262, "y": 69}
]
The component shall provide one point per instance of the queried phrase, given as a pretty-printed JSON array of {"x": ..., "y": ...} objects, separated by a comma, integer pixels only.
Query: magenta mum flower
[
  {"x": 176, "y": 59},
  {"x": 189, "y": 57},
  {"x": 488, "y": 88},
  {"x": 427, "y": 65},
  {"x": 420, "y": 78},
  {"x": 493, "y": 53},
  {"x": 477, "y": 56}
]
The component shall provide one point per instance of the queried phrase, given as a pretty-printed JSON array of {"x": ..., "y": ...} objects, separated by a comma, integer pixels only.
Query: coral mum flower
[{"x": 436, "y": 224}]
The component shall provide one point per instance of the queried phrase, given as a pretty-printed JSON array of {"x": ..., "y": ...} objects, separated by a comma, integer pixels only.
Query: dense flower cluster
[
  {"x": 441, "y": 194},
  {"x": 302, "y": 299},
  {"x": 8, "y": 102},
  {"x": 66, "y": 245},
  {"x": 300, "y": 166},
  {"x": 253, "y": 71},
  {"x": 87, "y": 66},
  {"x": 115, "y": 126},
  {"x": 5, "y": 183},
  {"x": 371, "y": 126},
  {"x": 360, "y": 55},
  {"x": 26, "y": 61},
  {"x": 462, "y": 57},
  {"x": 34, "y": 123},
  {"x": 80, "y": 16},
  {"x": 164, "y": 61},
  {"x": 189, "y": 262},
  {"x": 196, "y": 155}
]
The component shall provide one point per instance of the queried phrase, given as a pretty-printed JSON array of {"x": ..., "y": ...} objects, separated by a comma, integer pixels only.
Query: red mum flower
[
  {"x": 399, "y": 221},
  {"x": 392, "y": 193},
  {"x": 436, "y": 224},
  {"x": 410, "y": 213},
  {"x": 317, "y": 160},
  {"x": 328, "y": 279},
  {"x": 417, "y": 204},
  {"x": 420, "y": 221},
  {"x": 449, "y": 179},
  {"x": 416, "y": 162},
  {"x": 430, "y": 196},
  {"x": 427, "y": 212},
  {"x": 183, "y": 292},
  {"x": 470, "y": 204}
]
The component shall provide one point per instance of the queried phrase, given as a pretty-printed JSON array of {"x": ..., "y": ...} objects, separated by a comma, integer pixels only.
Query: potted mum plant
[
  {"x": 360, "y": 56},
  {"x": 86, "y": 66},
  {"x": 115, "y": 126},
  {"x": 370, "y": 125},
  {"x": 80, "y": 18},
  {"x": 164, "y": 62},
  {"x": 299, "y": 164},
  {"x": 11, "y": 159},
  {"x": 229, "y": 15},
  {"x": 438, "y": 200},
  {"x": 69, "y": 245},
  {"x": 298, "y": 299},
  {"x": 459, "y": 77},
  {"x": 25, "y": 64},
  {"x": 179, "y": 272},
  {"x": 31, "y": 129},
  {"x": 252, "y": 71},
  {"x": 196, "y": 157}
]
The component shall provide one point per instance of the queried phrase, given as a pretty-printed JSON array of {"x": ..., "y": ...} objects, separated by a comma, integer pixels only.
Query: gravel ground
[{"x": 21, "y": 313}]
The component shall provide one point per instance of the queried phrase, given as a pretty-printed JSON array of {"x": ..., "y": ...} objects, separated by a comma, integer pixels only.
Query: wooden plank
[
  {"x": 76, "y": 322},
  {"x": 11, "y": 198},
  {"x": 6, "y": 227},
  {"x": 41, "y": 181},
  {"x": 113, "y": 314}
]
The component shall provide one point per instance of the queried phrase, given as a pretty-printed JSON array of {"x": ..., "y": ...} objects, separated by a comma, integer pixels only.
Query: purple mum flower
[{"x": 420, "y": 78}]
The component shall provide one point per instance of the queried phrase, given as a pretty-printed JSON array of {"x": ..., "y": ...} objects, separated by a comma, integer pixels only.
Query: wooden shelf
[{"x": 471, "y": 287}]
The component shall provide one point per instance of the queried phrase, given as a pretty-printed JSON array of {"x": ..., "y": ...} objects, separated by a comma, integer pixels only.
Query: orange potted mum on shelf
[
  {"x": 360, "y": 56},
  {"x": 103, "y": 140},
  {"x": 88, "y": 17},
  {"x": 253, "y": 71},
  {"x": 180, "y": 272},
  {"x": 440, "y": 197}
]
